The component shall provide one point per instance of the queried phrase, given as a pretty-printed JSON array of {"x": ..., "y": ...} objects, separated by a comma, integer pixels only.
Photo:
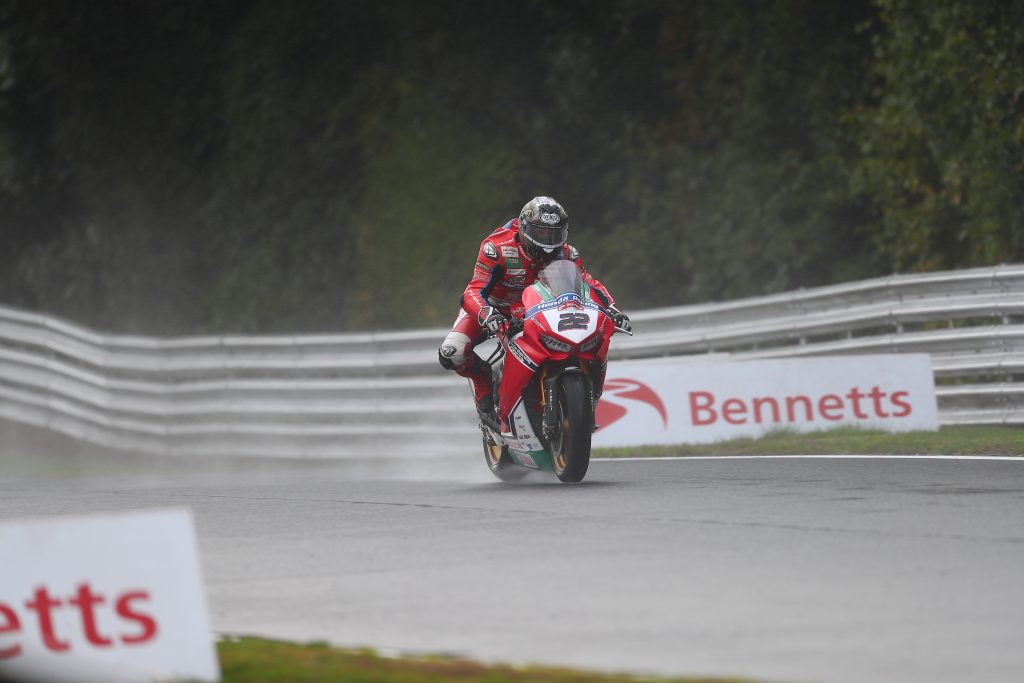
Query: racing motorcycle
[{"x": 558, "y": 345}]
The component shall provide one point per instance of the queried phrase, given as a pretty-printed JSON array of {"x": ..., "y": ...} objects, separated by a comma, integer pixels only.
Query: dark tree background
[{"x": 213, "y": 166}]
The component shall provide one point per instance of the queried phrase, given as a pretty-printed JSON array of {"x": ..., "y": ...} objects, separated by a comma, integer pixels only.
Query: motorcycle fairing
[
  {"x": 555, "y": 308},
  {"x": 569, "y": 316},
  {"x": 523, "y": 443},
  {"x": 520, "y": 365}
]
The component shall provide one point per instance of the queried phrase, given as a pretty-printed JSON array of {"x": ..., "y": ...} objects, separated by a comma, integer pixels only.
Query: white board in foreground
[
  {"x": 667, "y": 402},
  {"x": 105, "y": 599}
]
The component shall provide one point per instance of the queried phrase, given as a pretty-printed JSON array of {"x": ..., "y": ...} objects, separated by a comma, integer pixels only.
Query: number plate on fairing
[{"x": 570, "y": 315}]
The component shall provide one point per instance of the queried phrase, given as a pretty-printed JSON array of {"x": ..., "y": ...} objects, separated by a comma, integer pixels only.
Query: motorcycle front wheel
[
  {"x": 500, "y": 463},
  {"x": 570, "y": 449}
]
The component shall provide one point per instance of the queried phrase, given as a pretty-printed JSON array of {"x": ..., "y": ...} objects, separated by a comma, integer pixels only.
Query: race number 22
[{"x": 573, "y": 321}]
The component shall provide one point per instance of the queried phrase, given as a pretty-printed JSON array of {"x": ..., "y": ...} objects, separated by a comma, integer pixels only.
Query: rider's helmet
[{"x": 543, "y": 228}]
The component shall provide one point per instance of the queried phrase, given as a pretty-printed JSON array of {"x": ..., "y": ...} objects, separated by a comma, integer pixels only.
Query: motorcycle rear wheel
[
  {"x": 501, "y": 464},
  {"x": 570, "y": 449}
]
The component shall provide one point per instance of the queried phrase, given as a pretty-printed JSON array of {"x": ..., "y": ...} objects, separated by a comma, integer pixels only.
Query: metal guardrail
[{"x": 353, "y": 394}]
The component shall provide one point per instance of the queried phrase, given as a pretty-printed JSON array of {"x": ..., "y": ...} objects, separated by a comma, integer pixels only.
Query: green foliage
[
  {"x": 942, "y": 148},
  {"x": 105, "y": 115},
  {"x": 753, "y": 156},
  {"x": 417, "y": 233},
  {"x": 277, "y": 245},
  {"x": 259, "y": 166},
  {"x": 257, "y": 660}
]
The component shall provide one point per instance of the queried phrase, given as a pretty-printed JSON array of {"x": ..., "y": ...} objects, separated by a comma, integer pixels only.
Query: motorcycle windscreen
[{"x": 562, "y": 277}]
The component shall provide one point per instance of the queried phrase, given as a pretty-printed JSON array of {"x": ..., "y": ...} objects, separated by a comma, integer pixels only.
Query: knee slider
[
  {"x": 451, "y": 355},
  {"x": 445, "y": 361},
  {"x": 453, "y": 352}
]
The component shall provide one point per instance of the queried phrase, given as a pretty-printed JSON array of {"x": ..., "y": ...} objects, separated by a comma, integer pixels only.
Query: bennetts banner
[{"x": 678, "y": 401}]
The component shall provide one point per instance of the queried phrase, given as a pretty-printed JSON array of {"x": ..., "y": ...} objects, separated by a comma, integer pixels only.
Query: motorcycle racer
[{"x": 507, "y": 263}]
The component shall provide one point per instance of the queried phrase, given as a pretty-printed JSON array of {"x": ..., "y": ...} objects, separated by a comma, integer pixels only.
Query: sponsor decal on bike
[
  {"x": 490, "y": 252},
  {"x": 522, "y": 357},
  {"x": 573, "y": 304},
  {"x": 560, "y": 301},
  {"x": 525, "y": 459}
]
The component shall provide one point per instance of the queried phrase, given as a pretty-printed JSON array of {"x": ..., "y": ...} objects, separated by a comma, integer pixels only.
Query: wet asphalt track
[{"x": 835, "y": 570}]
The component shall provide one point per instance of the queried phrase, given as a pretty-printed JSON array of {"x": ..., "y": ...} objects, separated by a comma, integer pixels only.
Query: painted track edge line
[{"x": 999, "y": 458}]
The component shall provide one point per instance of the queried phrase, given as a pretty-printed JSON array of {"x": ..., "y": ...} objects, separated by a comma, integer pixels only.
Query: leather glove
[
  {"x": 490, "y": 319},
  {"x": 620, "y": 319}
]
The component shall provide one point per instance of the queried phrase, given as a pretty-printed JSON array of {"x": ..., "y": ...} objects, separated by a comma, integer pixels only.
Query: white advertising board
[
  {"x": 668, "y": 401},
  {"x": 112, "y": 599}
]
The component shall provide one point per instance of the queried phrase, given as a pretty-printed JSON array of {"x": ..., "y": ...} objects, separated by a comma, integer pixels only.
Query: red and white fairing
[{"x": 560, "y": 321}]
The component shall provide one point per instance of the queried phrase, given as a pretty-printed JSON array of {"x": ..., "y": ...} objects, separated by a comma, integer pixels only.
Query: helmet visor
[{"x": 546, "y": 236}]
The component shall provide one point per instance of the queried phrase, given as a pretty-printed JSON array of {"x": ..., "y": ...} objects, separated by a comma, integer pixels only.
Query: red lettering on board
[
  {"x": 828, "y": 404},
  {"x": 126, "y": 611},
  {"x": 701, "y": 402},
  {"x": 129, "y": 607},
  {"x": 86, "y": 600},
  {"x": 791, "y": 402},
  {"x": 856, "y": 403},
  {"x": 10, "y": 624},
  {"x": 897, "y": 400},
  {"x": 734, "y": 411},
  {"x": 43, "y": 606}
]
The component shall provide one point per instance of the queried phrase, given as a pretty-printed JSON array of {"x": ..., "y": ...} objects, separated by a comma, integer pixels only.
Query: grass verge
[
  {"x": 255, "y": 660},
  {"x": 951, "y": 440}
]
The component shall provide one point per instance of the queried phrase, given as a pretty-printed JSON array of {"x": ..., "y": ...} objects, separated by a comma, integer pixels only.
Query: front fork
[{"x": 551, "y": 420}]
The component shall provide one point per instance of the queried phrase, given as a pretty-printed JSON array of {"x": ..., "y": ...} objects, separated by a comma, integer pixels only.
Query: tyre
[
  {"x": 570, "y": 449},
  {"x": 500, "y": 463}
]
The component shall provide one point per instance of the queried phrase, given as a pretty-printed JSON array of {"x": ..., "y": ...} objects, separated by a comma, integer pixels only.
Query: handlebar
[{"x": 508, "y": 328}]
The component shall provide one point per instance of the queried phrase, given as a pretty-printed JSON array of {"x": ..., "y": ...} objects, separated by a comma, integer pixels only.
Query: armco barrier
[{"x": 381, "y": 393}]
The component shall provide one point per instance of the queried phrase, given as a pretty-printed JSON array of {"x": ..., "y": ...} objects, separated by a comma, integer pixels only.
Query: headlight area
[
  {"x": 555, "y": 344},
  {"x": 590, "y": 345}
]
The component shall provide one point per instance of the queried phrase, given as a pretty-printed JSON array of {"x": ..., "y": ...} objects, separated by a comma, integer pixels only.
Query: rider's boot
[
  {"x": 503, "y": 426},
  {"x": 483, "y": 393},
  {"x": 456, "y": 354},
  {"x": 485, "y": 411}
]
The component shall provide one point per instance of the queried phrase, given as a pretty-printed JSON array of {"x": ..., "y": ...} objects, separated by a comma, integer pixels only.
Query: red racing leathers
[{"x": 502, "y": 272}]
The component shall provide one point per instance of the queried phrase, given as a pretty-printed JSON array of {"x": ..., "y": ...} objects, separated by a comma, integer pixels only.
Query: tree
[{"x": 940, "y": 147}]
